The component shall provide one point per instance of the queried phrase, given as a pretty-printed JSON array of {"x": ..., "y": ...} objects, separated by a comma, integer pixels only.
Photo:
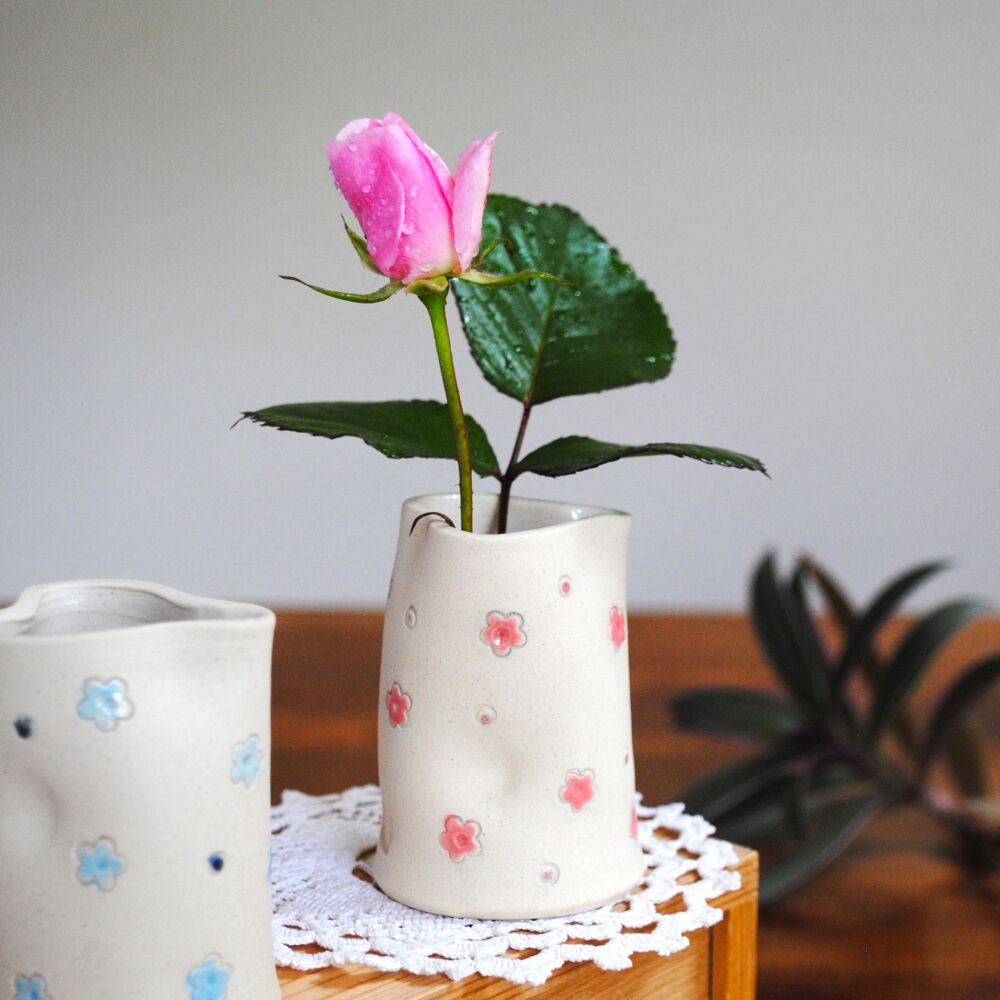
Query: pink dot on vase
[
  {"x": 410, "y": 618},
  {"x": 565, "y": 585},
  {"x": 548, "y": 874},
  {"x": 486, "y": 715}
]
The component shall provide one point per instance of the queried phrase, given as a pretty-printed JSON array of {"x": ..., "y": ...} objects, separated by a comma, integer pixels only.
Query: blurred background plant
[{"x": 840, "y": 745}]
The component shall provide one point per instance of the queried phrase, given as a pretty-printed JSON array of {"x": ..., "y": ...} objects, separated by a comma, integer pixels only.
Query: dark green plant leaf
[
  {"x": 541, "y": 341},
  {"x": 379, "y": 295},
  {"x": 730, "y": 786},
  {"x": 361, "y": 248},
  {"x": 413, "y": 428},
  {"x": 763, "y": 817},
  {"x": 914, "y": 655},
  {"x": 965, "y": 761},
  {"x": 836, "y": 828},
  {"x": 861, "y": 637},
  {"x": 779, "y": 619},
  {"x": 955, "y": 704},
  {"x": 773, "y": 813},
  {"x": 567, "y": 455},
  {"x": 737, "y": 713},
  {"x": 841, "y": 608}
]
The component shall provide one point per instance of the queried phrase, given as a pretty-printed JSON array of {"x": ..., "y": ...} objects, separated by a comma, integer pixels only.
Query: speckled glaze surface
[
  {"x": 134, "y": 795},
  {"x": 505, "y": 736}
]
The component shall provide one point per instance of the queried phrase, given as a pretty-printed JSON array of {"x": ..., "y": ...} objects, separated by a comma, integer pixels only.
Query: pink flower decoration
[
  {"x": 578, "y": 790},
  {"x": 459, "y": 838},
  {"x": 398, "y": 705},
  {"x": 418, "y": 220},
  {"x": 633, "y": 827},
  {"x": 617, "y": 626},
  {"x": 503, "y": 632}
]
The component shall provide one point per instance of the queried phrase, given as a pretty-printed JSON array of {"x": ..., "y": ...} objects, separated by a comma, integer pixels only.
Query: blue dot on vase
[
  {"x": 24, "y": 727},
  {"x": 216, "y": 862}
]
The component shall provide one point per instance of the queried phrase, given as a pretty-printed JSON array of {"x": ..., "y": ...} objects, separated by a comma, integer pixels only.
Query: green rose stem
[{"x": 434, "y": 301}]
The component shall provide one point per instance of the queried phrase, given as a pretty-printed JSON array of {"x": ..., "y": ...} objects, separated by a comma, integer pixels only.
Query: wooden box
[{"x": 720, "y": 964}]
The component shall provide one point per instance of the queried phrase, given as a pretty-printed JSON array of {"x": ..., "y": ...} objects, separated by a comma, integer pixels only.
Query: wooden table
[{"x": 894, "y": 920}]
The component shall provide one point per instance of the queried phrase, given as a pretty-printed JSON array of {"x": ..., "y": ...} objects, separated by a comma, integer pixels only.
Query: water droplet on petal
[
  {"x": 408, "y": 228},
  {"x": 366, "y": 188},
  {"x": 352, "y": 146},
  {"x": 426, "y": 266}
]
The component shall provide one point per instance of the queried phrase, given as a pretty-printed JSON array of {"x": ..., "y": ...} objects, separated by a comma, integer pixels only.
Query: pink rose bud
[{"x": 419, "y": 222}]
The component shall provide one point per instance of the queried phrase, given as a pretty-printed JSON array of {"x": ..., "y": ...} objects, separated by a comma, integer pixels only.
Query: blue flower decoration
[
  {"x": 99, "y": 864},
  {"x": 30, "y": 988},
  {"x": 104, "y": 703},
  {"x": 209, "y": 980},
  {"x": 246, "y": 762}
]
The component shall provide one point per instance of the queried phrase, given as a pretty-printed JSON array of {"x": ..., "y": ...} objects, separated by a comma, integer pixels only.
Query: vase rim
[
  {"x": 155, "y": 606},
  {"x": 577, "y": 514}
]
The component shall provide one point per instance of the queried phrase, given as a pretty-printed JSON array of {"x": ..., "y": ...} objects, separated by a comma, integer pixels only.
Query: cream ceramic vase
[
  {"x": 505, "y": 739},
  {"x": 134, "y": 796}
]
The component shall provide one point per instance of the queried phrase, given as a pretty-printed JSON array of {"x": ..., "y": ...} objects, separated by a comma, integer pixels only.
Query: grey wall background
[{"x": 811, "y": 188}]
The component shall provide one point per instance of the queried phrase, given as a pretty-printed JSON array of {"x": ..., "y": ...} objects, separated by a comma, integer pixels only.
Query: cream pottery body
[
  {"x": 134, "y": 795},
  {"x": 505, "y": 742}
]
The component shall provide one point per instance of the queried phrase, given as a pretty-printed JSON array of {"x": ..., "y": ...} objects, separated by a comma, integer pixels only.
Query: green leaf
[
  {"x": 837, "y": 827},
  {"x": 478, "y": 277},
  {"x": 414, "y": 428},
  {"x": 729, "y": 787},
  {"x": 541, "y": 341},
  {"x": 861, "y": 637},
  {"x": 914, "y": 655},
  {"x": 567, "y": 455},
  {"x": 739, "y": 713},
  {"x": 789, "y": 806},
  {"x": 781, "y": 623},
  {"x": 956, "y": 703},
  {"x": 379, "y": 295},
  {"x": 965, "y": 761},
  {"x": 361, "y": 248},
  {"x": 839, "y": 604}
]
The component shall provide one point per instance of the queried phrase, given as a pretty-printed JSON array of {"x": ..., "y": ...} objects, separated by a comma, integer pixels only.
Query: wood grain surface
[{"x": 896, "y": 919}]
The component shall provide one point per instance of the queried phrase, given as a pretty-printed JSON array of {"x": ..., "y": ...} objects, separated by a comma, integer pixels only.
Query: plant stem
[
  {"x": 435, "y": 304},
  {"x": 510, "y": 474}
]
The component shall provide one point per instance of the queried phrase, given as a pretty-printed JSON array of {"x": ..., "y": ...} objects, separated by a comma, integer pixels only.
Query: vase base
[{"x": 474, "y": 906}]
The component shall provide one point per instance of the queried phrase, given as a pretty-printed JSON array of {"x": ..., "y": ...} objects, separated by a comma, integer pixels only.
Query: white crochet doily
[{"x": 325, "y": 914}]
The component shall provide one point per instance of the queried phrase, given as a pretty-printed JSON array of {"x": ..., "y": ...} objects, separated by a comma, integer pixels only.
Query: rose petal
[
  {"x": 472, "y": 183},
  {"x": 438, "y": 165},
  {"x": 426, "y": 247},
  {"x": 363, "y": 171}
]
